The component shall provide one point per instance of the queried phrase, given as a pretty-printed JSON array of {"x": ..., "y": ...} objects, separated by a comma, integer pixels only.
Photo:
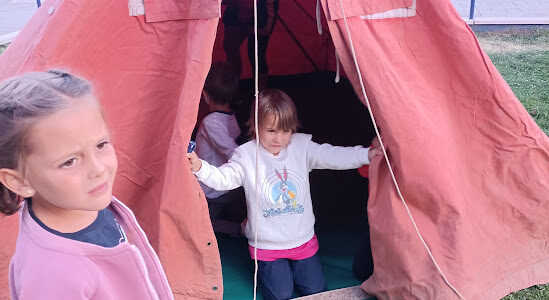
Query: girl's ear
[{"x": 13, "y": 180}]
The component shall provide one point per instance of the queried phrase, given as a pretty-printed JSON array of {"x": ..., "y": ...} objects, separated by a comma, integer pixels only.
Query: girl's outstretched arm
[
  {"x": 225, "y": 177},
  {"x": 326, "y": 156}
]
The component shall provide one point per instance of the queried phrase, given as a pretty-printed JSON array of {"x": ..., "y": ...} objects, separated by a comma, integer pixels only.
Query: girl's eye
[
  {"x": 69, "y": 163},
  {"x": 102, "y": 145},
  {"x": 286, "y": 131}
]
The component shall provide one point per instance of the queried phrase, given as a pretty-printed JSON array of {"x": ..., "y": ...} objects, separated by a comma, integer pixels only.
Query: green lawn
[
  {"x": 538, "y": 292},
  {"x": 522, "y": 58}
]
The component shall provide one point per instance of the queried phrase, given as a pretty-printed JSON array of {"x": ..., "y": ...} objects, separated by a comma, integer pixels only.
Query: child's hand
[
  {"x": 376, "y": 143},
  {"x": 196, "y": 163},
  {"x": 374, "y": 152},
  {"x": 375, "y": 149}
]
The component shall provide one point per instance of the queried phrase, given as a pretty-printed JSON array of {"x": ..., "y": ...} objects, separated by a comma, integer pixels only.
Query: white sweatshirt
[
  {"x": 215, "y": 143},
  {"x": 285, "y": 217}
]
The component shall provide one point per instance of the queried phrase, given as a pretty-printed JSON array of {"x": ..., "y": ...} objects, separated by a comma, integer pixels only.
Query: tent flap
[
  {"x": 148, "y": 78},
  {"x": 472, "y": 165}
]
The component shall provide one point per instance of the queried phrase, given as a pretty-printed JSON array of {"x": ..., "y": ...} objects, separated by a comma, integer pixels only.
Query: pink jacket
[{"x": 47, "y": 266}]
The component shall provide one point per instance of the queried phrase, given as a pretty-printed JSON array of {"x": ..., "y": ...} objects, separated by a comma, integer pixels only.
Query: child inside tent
[
  {"x": 215, "y": 143},
  {"x": 282, "y": 214}
]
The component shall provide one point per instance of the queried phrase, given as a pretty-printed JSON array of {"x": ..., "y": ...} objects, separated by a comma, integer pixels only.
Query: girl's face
[
  {"x": 273, "y": 138},
  {"x": 71, "y": 164}
]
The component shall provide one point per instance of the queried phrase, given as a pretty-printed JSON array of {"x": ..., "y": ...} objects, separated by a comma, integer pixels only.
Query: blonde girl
[{"x": 57, "y": 168}]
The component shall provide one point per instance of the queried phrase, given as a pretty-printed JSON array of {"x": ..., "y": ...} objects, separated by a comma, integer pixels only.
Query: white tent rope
[
  {"x": 385, "y": 154},
  {"x": 256, "y": 122},
  {"x": 319, "y": 28},
  {"x": 318, "y": 23}
]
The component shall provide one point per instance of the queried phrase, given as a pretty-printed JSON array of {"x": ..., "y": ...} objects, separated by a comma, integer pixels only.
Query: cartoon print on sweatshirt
[{"x": 282, "y": 193}]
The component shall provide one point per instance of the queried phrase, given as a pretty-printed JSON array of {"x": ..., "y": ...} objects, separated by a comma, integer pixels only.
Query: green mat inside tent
[{"x": 336, "y": 254}]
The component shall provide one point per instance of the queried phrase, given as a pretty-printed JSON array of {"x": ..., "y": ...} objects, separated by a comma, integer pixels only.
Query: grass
[
  {"x": 538, "y": 292},
  {"x": 522, "y": 58}
]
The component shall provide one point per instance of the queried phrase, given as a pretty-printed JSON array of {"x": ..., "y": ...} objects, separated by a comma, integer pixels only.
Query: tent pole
[{"x": 472, "y": 10}]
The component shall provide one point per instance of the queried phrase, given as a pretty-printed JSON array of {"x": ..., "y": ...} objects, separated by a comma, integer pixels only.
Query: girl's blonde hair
[
  {"x": 278, "y": 104},
  {"x": 24, "y": 100}
]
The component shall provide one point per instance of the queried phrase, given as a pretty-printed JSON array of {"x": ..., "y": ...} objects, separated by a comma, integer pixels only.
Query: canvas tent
[{"x": 472, "y": 165}]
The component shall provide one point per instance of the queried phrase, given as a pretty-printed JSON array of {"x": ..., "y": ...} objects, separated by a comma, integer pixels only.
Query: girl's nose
[{"x": 97, "y": 167}]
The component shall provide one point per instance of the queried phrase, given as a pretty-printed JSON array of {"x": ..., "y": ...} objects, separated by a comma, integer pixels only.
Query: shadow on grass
[{"x": 3, "y": 47}]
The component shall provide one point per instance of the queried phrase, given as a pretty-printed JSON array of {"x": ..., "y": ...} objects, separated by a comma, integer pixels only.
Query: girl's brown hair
[
  {"x": 278, "y": 104},
  {"x": 24, "y": 100}
]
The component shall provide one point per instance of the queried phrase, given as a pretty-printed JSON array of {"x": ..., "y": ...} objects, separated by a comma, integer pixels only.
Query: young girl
[
  {"x": 286, "y": 242},
  {"x": 76, "y": 241}
]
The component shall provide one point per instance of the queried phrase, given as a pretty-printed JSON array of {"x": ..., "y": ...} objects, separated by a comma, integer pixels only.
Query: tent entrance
[{"x": 332, "y": 114}]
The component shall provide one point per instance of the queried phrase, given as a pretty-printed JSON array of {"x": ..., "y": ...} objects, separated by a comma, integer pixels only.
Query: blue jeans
[{"x": 277, "y": 278}]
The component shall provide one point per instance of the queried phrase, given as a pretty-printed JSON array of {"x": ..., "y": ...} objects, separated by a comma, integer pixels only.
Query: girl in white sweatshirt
[{"x": 286, "y": 242}]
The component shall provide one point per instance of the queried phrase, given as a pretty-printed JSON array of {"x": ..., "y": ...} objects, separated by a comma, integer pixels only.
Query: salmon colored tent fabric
[
  {"x": 471, "y": 163},
  {"x": 149, "y": 77}
]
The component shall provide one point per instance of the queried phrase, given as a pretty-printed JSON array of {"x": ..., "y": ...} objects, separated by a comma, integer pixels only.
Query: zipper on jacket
[
  {"x": 145, "y": 241},
  {"x": 142, "y": 260}
]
